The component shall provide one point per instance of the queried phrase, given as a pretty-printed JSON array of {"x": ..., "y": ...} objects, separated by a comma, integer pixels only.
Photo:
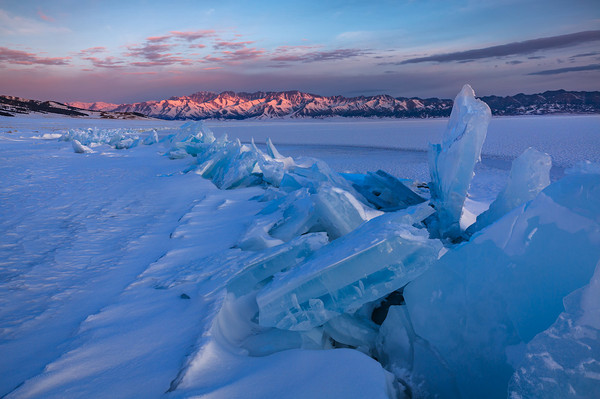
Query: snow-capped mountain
[
  {"x": 296, "y": 104},
  {"x": 292, "y": 104}
]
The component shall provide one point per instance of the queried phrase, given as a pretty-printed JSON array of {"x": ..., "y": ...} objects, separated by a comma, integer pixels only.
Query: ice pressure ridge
[
  {"x": 382, "y": 265},
  {"x": 476, "y": 318},
  {"x": 84, "y": 140}
]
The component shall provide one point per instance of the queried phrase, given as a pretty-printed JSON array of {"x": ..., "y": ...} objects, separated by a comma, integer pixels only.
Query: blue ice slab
[
  {"x": 266, "y": 263},
  {"x": 377, "y": 258}
]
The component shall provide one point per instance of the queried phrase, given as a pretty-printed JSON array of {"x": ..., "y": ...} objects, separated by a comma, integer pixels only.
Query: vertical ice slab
[
  {"x": 451, "y": 164},
  {"x": 529, "y": 174},
  {"x": 377, "y": 258}
]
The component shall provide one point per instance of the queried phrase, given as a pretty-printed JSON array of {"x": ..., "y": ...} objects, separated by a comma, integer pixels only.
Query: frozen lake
[{"x": 397, "y": 146}]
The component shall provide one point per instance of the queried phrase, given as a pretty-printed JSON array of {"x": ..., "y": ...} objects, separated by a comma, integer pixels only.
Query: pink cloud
[
  {"x": 107, "y": 62},
  {"x": 231, "y": 45},
  {"x": 194, "y": 35},
  {"x": 158, "y": 39},
  {"x": 44, "y": 16},
  {"x": 155, "y": 55},
  {"x": 92, "y": 50},
  {"x": 243, "y": 54},
  {"x": 189, "y": 36},
  {"x": 23, "y": 58}
]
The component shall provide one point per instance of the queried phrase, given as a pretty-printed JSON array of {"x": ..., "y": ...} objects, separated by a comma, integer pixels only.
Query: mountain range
[{"x": 296, "y": 104}]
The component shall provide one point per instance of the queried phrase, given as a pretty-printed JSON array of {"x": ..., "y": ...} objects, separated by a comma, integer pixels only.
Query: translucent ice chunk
[
  {"x": 353, "y": 331},
  {"x": 564, "y": 361},
  {"x": 375, "y": 259},
  {"x": 296, "y": 216},
  {"x": 266, "y": 263},
  {"x": 451, "y": 164},
  {"x": 338, "y": 211},
  {"x": 505, "y": 286},
  {"x": 329, "y": 209},
  {"x": 529, "y": 174},
  {"x": 152, "y": 138}
]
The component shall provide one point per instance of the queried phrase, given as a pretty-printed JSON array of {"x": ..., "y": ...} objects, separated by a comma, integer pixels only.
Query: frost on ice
[{"x": 451, "y": 163}]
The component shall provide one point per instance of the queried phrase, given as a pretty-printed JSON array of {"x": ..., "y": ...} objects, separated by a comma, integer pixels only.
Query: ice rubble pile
[
  {"x": 470, "y": 320},
  {"x": 84, "y": 139}
]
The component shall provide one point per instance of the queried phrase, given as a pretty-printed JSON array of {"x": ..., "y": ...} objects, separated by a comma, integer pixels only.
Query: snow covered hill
[
  {"x": 296, "y": 104},
  {"x": 11, "y": 106}
]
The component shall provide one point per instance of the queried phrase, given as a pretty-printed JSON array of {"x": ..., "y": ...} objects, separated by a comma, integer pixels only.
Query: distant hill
[
  {"x": 296, "y": 104},
  {"x": 11, "y": 106}
]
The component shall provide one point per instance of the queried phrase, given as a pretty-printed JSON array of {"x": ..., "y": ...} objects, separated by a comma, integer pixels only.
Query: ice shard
[
  {"x": 274, "y": 260},
  {"x": 451, "y": 163},
  {"x": 529, "y": 174},
  {"x": 152, "y": 138},
  {"x": 80, "y": 148},
  {"x": 479, "y": 305},
  {"x": 377, "y": 258}
]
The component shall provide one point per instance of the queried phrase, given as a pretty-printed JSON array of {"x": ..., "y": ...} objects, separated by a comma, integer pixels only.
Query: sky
[{"x": 138, "y": 50}]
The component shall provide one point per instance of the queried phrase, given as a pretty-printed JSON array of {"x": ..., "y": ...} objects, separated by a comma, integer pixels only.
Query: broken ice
[
  {"x": 375, "y": 259},
  {"x": 274, "y": 260}
]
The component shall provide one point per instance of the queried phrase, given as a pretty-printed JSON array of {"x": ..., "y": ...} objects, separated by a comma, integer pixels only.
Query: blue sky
[{"x": 124, "y": 51}]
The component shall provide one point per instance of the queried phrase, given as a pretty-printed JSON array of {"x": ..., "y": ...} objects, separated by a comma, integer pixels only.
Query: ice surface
[
  {"x": 564, "y": 360},
  {"x": 482, "y": 301},
  {"x": 377, "y": 258},
  {"x": 451, "y": 163},
  {"x": 384, "y": 191},
  {"x": 529, "y": 174}
]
